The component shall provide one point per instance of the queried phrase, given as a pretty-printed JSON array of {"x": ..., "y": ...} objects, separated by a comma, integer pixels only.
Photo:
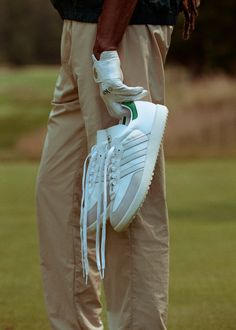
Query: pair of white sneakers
[{"x": 118, "y": 172}]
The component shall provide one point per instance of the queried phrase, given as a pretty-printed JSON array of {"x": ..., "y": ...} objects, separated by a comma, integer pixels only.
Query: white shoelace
[
  {"x": 111, "y": 173},
  {"x": 91, "y": 172},
  {"x": 101, "y": 164}
]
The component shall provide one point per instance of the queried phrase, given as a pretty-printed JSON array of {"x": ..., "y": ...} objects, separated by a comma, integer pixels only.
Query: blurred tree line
[{"x": 30, "y": 34}]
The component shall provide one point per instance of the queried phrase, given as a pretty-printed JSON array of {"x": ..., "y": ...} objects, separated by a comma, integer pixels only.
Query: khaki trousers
[{"x": 136, "y": 276}]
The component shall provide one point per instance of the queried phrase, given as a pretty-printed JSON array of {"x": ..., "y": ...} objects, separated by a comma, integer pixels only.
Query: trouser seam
[
  {"x": 73, "y": 215},
  {"x": 132, "y": 277},
  {"x": 76, "y": 252}
]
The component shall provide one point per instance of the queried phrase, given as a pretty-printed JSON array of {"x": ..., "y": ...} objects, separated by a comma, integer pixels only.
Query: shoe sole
[{"x": 158, "y": 129}]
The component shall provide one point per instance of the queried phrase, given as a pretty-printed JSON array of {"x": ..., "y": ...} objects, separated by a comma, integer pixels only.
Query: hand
[
  {"x": 190, "y": 13},
  {"x": 108, "y": 74}
]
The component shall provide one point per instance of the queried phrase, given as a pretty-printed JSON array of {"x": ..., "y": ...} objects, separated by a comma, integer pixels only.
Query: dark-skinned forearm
[{"x": 112, "y": 24}]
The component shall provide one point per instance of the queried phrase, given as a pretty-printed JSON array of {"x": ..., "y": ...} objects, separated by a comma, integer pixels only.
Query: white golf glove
[{"x": 108, "y": 74}]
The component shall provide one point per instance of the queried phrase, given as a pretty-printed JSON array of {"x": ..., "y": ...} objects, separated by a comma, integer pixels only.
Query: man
[{"x": 136, "y": 279}]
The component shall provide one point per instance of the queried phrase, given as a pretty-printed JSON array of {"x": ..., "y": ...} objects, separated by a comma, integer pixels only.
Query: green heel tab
[{"x": 132, "y": 107}]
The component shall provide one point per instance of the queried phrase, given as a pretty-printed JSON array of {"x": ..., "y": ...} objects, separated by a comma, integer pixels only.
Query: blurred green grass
[
  {"x": 201, "y": 122},
  {"x": 24, "y": 101},
  {"x": 201, "y": 198}
]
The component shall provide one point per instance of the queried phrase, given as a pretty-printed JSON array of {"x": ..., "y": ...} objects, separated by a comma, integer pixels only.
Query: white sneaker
[
  {"x": 119, "y": 174},
  {"x": 131, "y": 160}
]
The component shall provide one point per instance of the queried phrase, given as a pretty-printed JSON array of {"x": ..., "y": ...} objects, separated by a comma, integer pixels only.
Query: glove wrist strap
[{"x": 107, "y": 68}]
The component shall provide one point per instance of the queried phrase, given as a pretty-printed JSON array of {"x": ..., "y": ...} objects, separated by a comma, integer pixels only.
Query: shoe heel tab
[{"x": 132, "y": 108}]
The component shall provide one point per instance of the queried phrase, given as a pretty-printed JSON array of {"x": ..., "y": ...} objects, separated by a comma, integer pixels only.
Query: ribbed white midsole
[{"x": 156, "y": 137}]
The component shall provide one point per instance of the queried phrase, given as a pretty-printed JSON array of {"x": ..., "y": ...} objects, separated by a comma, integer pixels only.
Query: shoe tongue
[
  {"x": 116, "y": 130},
  {"x": 101, "y": 136}
]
